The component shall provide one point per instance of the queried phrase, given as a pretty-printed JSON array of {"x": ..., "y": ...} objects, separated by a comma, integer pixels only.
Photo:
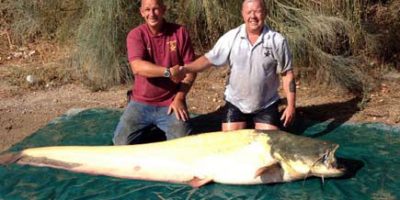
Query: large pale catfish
[{"x": 236, "y": 157}]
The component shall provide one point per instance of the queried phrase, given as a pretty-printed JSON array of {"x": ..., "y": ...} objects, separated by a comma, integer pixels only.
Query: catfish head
[
  {"x": 301, "y": 157},
  {"x": 326, "y": 165}
]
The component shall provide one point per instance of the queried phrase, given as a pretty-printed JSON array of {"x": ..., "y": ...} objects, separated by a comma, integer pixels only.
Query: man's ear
[{"x": 140, "y": 10}]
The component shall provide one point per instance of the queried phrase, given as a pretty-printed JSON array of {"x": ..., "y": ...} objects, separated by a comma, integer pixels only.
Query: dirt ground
[{"x": 25, "y": 107}]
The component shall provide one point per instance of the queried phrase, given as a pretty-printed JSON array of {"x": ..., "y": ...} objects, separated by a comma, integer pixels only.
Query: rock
[
  {"x": 17, "y": 54},
  {"x": 31, "y": 79}
]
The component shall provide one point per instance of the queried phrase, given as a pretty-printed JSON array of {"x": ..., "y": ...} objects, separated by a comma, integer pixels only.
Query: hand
[
  {"x": 177, "y": 74},
  {"x": 288, "y": 116},
  {"x": 178, "y": 106}
]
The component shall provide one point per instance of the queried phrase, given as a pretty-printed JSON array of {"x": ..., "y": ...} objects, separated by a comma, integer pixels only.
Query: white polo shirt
[{"x": 254, "y": 76}]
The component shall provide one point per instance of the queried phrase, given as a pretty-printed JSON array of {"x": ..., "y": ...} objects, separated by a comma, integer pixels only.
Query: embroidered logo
[
  {"x": 172, "y": 45},
  {"x": 267, "y": 51}
]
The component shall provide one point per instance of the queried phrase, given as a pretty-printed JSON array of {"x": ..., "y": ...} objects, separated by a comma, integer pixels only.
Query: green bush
[
  {"x": 329, "y": 39},
  {"x": 44, "y": 19},
  {"x": 101, "y": 44}
]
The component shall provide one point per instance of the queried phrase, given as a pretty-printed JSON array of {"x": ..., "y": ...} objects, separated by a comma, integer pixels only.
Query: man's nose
[{"x": 152, "y": 12}]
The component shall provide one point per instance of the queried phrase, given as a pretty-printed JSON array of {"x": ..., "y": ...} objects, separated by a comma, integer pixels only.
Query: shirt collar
[
  {"x": 243, "y": 34},
  {"x": 162, "y": 31}
]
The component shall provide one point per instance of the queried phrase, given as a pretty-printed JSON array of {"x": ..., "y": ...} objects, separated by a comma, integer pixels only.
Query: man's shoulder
[
  {"x": 274, "y": 35},
  {"x": 173, "y": 25},
  {"x": 175, "y": 28},
  {"x": 137, "y": 30},
  {"x": 231, "y": 34}
]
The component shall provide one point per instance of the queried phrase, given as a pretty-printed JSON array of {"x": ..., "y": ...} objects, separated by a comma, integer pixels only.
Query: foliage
[
  {"x": 46, "y": 19},
  {"x": 101, "y": 41},
  {"x": 209, "y": 19},
  {"x": 329, "y": 39},
  {"x": 326, "y": 38}
]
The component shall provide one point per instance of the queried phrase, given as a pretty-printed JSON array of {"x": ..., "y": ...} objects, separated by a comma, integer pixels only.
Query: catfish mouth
[
  {"x": 333, "y": 171},
  {"x": 328, "y": 165}
]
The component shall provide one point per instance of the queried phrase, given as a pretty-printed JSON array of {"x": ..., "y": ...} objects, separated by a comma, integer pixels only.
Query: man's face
[
  {"x": 253, "y": 15},
  {"x": 152, "y": 12}
]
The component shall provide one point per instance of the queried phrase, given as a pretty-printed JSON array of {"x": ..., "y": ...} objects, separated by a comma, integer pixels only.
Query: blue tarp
[{"x": 371, "y": 151}]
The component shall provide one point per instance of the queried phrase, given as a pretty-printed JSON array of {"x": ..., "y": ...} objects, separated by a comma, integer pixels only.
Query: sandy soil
[{"x": 24, "y": 109}]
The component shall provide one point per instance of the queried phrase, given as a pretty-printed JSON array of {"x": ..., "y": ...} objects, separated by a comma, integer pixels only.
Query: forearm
[
  {"x": 146, "y": 69},
  {"x": 185, "y": 86},
  {"x": 289, "y": 87},
  {"x": 198, "y": 65}
]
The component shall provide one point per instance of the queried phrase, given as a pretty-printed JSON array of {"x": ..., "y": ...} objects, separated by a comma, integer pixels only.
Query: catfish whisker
[
  {"x": 309, "y": 171},
  {"x": 306, "y": 176}
]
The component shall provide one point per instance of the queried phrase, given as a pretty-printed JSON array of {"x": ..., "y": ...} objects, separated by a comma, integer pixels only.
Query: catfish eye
[{"x": 325, "y": 159}]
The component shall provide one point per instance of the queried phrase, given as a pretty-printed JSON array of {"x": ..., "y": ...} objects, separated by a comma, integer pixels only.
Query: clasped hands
[{"x": 178, "y": 73}]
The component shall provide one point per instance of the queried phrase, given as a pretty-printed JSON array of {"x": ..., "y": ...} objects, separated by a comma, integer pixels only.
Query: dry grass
[
  {"x": 330, "y": 43},
  {"x": 44, "y": 76}
]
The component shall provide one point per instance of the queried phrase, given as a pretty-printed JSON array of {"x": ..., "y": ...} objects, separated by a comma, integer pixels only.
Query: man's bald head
[
  {"x": 261, "y": 2},
  {"x": 253, "y": 13},
  {"x": 153, "y": 12},
  {"x": 159, "y": 2}
]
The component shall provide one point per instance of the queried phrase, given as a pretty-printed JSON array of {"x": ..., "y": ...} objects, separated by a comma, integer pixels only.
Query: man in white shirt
[{"x": 256, "y": 56}]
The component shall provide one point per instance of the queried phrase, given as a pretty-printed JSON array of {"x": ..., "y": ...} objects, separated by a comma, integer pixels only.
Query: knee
[
  {"x": 177, "y": 130},
  {"x": 120, "y": 137}
]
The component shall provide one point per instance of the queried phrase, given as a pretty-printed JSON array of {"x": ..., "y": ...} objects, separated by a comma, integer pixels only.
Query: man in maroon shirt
[{"x": 156, "y": 49}]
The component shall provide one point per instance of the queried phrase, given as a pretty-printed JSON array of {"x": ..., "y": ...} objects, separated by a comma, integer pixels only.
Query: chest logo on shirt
[
  {"x": 267, "y": 51},
  {"x": 172, "y": 45}
]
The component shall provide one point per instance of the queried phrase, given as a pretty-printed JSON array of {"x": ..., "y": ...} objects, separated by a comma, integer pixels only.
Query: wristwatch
[{"x": 167, "y": 73}]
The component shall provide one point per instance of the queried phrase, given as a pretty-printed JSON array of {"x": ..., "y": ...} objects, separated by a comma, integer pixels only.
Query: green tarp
[{"x": 370, "y": 151}]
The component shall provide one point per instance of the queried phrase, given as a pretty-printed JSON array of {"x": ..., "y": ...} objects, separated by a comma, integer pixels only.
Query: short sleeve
[
  {"x": 187, "y": 48},
  {"x": 135, "y": 45},
  {"x": 219, "y": 54},
  {"x": 283, "y": 57}
]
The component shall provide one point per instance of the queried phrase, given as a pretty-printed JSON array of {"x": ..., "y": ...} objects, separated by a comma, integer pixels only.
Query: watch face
[{"x": 167, "y": 73}]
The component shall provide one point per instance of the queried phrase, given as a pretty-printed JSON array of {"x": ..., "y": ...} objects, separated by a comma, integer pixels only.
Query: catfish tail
[{"x": 9, "y": 158}]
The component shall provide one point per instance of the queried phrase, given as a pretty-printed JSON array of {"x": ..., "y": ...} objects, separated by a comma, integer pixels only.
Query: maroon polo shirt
[{"x": 169, "y": 48}]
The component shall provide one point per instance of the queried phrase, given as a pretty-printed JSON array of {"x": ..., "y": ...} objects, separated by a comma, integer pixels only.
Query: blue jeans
[{"x": 138, "y": 116}]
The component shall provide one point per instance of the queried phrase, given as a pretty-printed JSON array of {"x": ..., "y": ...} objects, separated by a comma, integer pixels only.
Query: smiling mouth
[{"x": 254, "y": 23}]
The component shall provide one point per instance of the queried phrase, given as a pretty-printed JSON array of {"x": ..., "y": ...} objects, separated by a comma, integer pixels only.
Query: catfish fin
[
  {"x": 272, "y": 174},
  {"x": 290, "y": 174},
  {"x": 9, "y": 158},
  {"x": 264, "y": 169},
  {"x": 198, "y": 182}
]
